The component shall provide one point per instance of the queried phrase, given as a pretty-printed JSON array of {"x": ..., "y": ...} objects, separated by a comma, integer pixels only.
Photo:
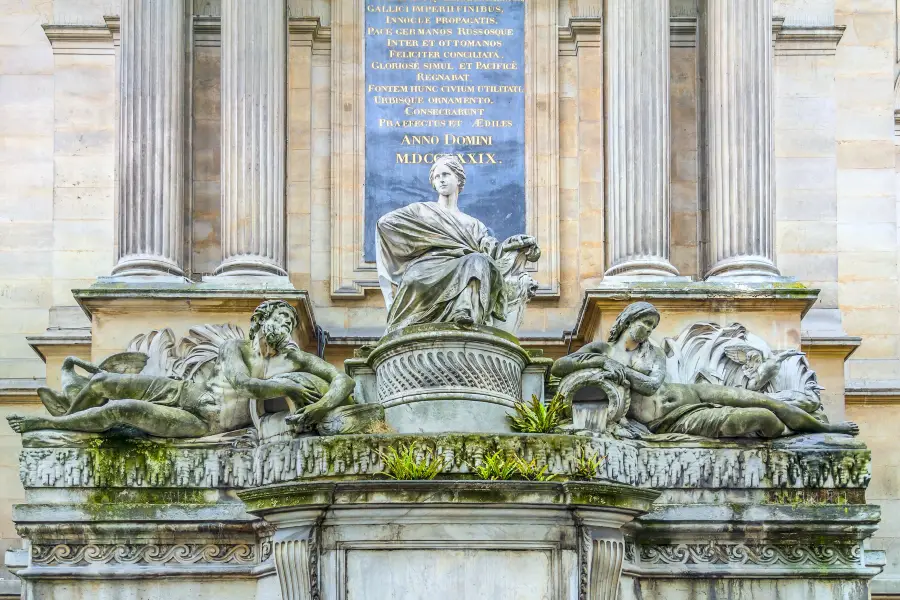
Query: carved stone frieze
[
  {"x": 431, "y": 369},
  {"x": 761, "y": 554},
  {"x": 47, "y": 555},
  {"x": 803, "y": 462}
]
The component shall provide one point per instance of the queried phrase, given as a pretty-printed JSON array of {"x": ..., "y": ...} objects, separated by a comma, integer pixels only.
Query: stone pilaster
[
  {"x": 736, "y": 66},
  {"x": 637, "y": 137},
  {"x": 151, "y": 131},
  {"x": 254, "y": 80}
]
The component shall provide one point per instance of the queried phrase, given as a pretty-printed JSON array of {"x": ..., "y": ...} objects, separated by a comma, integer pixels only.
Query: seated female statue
[
  {"x": 703, "y": 409},
  {"x": 437, "y": 264}
]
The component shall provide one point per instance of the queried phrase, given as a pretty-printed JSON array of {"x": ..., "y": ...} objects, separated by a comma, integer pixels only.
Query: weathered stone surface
[
  {"x": 710, "y": 381},
  {"x": 212, "y": 382},
  {"x": 152, "y": 104},
  {"x": 445, "y": 377},
  {"x": 254, "y": 92},
  {"x": 826, "y": 462},
  {"x": 418, "y": 538},
  {"x": 739, "y": 151},
  {"x": 637, "y": 139},
  {"x": 437, "y": 264}
]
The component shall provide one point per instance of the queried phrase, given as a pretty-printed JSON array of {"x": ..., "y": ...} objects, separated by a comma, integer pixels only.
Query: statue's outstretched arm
[
  {"x": 340, "y": 384},
  {"x": 339, "y": 389},
  {"x": 590, "y": 356}
]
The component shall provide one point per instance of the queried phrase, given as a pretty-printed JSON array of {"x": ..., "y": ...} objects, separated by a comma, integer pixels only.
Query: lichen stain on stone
[{"x": 114, "y": 458}]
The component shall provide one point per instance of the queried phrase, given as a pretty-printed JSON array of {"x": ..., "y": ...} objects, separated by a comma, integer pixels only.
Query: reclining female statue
[
  {"x": 715, "y": 411},
  {"x": 437, "y": 264},
  {"x": 215, "y": 396}
]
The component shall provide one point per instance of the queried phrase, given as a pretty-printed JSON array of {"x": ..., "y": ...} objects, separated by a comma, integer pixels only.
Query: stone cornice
[
  {"x": 80, "y": 39},
  {"x": 581, "y": 32},
  {"x": 693, "y": 295},
  {"x": 192, "y": 297},
  {"x": 840, "y": 346},
  {"x": 63, "y": 343},
  {"x": 302, "y": 31},
  {"x": 20, "y": 391},
  {"x": 863, "y": 393},
  {"x": 807, "y": 41}
]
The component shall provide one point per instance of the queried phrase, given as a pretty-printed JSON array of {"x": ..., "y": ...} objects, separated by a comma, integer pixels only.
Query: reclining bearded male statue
[
  {"x": 437, "y": 264},
  {"x": 210, "y": 392},
  {"x": 630, "y": 362}
]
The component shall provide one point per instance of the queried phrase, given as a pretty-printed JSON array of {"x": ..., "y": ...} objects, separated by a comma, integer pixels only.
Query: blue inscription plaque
[{"x": 446, "y": 76}]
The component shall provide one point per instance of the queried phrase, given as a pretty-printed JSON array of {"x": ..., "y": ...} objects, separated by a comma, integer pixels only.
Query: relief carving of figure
[
  {"x": 209, "y": 391},
  {"x": 630, "y": 360},
  {"x": 437, "y": 264}
]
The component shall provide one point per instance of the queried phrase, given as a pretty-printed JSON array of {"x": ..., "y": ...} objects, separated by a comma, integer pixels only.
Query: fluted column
[
  {"x": 254, "y": 55},
  {"x": 637, "y": 137},
  {"x": 739, "y": 149},
  {"x": 151, "y": 138}
]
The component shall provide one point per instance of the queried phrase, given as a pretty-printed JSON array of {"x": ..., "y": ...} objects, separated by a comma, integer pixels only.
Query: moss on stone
[{"x": 114, "y": 457}]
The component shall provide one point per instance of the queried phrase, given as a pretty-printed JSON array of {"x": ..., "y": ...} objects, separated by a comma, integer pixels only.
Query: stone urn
[{"x": 443, "y": 377}]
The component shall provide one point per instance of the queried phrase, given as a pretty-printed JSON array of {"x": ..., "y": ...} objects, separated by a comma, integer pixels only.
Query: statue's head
[
  {"x": 446, "y": 173},
  {"x": 638, "y": 320},
  {"x": 276, "y": 321}
]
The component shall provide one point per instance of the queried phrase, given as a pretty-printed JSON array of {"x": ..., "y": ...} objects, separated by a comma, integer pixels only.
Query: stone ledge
[
  {"x": 180, "y": 301},
  {"x": 446, "y": 492},
  {"x": 841, "y": 346},
  {"x": 751, "y": 541},
  {"x": 692, "y": 296},
  {"x": 62, "y": 342},
  {"x": 872, "y": 393},
  {"x": 10, "y": 588},
  {"x": 20, "y": 391}
]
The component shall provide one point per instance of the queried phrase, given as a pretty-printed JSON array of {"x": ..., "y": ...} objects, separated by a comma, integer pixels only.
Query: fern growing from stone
[
  {"x": 587, "y": 465},
  {"x": 497, "y": 467},
  {"x": 409, "y": 462},
  {"x": 537, "y": 417},
  {"x": 530, "y": 470}
]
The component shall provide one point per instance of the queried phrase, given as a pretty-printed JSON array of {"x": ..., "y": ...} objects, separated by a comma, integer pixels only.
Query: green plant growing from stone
[
  {"x": 587, "y": 464},
  {"x": 497, "y": 467},
  {"x": 410, "y": 461},
  {"x": 537, "y": 417},
  {"x": 530, "y": 470}
]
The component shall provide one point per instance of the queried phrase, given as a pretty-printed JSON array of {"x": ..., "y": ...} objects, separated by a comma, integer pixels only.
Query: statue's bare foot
[
  {"x": 848, "y": 427},
  {"x": 463, "y": 317},
  {"x": 22, "y": 424}
]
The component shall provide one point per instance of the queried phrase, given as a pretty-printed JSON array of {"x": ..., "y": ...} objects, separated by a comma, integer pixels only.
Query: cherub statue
[
  {"x": 210, "y": 391},
  {"x": 630, "y": 360},
  {"x": 758, "y": 372}
]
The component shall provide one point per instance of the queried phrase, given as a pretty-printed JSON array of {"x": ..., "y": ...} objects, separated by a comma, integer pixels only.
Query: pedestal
[
  {"x": 315, "y": 518},
  {"x": 505, "y": 540},
  {"x": 443, "y": 377}
]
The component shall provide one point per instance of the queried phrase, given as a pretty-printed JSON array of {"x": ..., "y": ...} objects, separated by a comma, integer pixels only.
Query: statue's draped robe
[{"x": 440, "y": 261}]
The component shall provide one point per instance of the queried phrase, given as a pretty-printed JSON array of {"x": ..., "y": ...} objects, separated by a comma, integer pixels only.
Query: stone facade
[{"x": 830, "y": 220}]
